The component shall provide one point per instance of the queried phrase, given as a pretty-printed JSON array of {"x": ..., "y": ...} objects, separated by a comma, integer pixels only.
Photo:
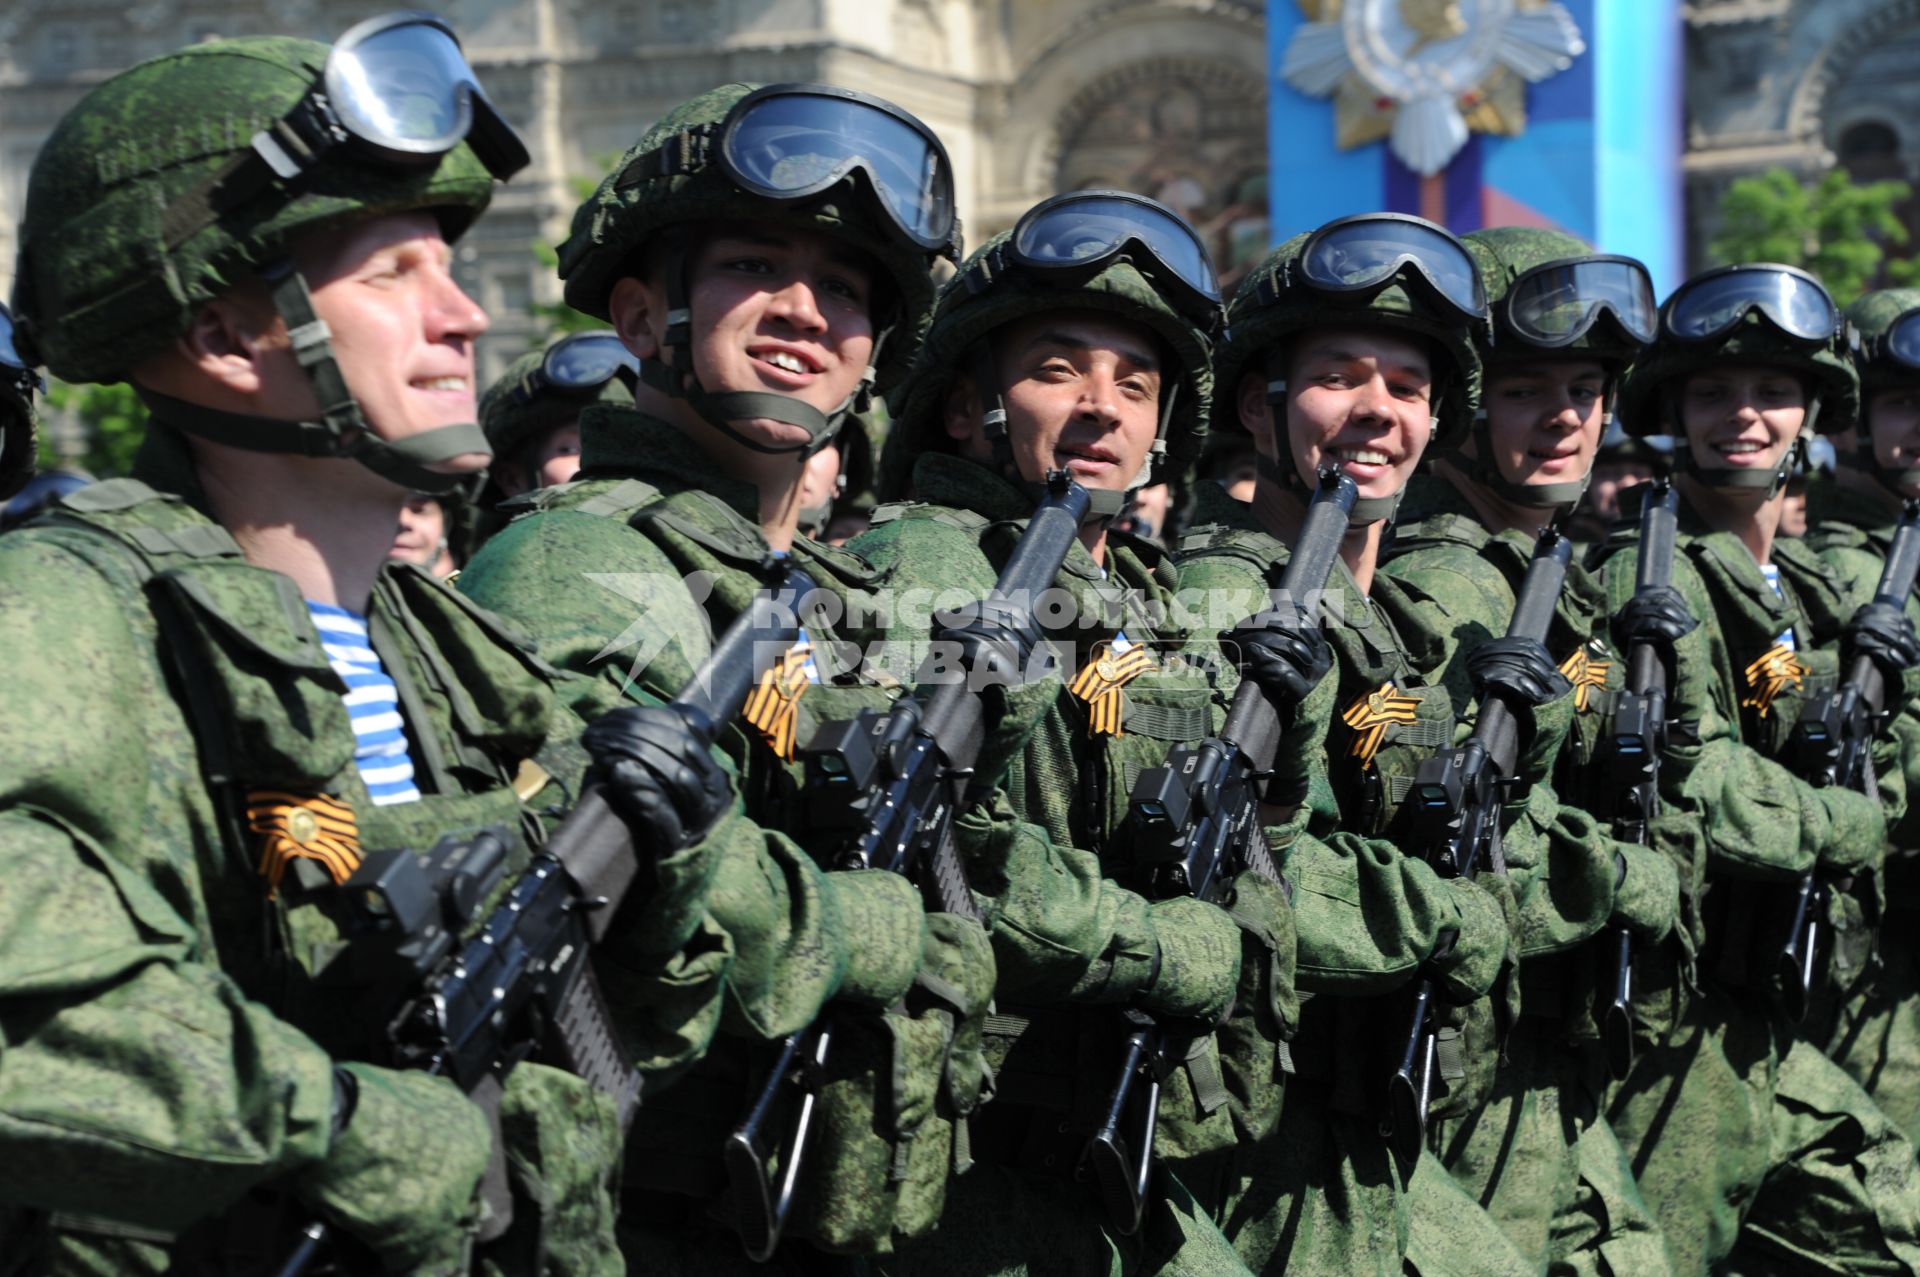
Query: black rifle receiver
[
  {"x": 1629, "y": 756},
  {"x": 521, "y": 983},
  {"x": 1455, "y": 805},
  {"x": 1832, "y": 745},
  {"x": 895, "y": 779},
  {"x": 1195, "y": 823}
]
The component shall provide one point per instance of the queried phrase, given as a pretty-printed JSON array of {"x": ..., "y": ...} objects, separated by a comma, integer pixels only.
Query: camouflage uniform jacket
[
  {"x": 1368, "y": 918},
  {"x": 171, "y": 1022},
  {"x": 1473, "y": 579},
  {"x": 620, "y": 576},
  {"x": 1735, "y": 696},
  {"x": 1044, "y": 852}
]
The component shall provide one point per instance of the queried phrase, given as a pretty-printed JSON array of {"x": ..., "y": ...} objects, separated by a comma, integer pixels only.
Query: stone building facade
[{"x": 1031, "y": 96}]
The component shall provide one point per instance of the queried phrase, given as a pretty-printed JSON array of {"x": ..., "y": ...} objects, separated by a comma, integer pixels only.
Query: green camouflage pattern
[
  {"x": 145, "y": 940},
  {"x": 1874, "y": 1031},
  {"x": 1504, "y": 253},
  {"x": 599, "y": 568},
  {"x": 100, "y": 283},
  {"x": 1525, "y": 1153},
  {"x": 1873, "y": 314},
  {"x": 1255, "y": 327},
  {"x": 962, "y": 317},
  {"x": 1325, "y": 1193},
  {"x": 1648, "y": 393},
  {"x": 510, "y": 423},
  {"x": 1065, "y": 932},
  {"x": 1727, "y": 1109},
  {"x": 616, "y": 223}
]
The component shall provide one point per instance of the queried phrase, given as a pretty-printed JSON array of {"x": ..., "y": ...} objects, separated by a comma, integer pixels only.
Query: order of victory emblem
[{"x": 1424, "y": 73}]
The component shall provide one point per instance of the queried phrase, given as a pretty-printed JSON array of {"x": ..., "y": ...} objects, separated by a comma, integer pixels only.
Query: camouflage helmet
[
  {"x": 671, "y": 179},
  {"x": 522, "y": 404},
  {"x": 989, "y": 293},
  {"x": 1274, "y": 303},
  {"x": 1887, "y": 361},
  {"x": 1552, "y": 297},
  {"x": 124, "y": 239},
  {"x": 1648, "y": 396}
]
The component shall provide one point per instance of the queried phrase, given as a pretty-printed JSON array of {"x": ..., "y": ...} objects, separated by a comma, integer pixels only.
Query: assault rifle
[
  {"x": 894, "y": 779},
  {"x": 1629, "y": 756},
  {"x": 474, "y": 1009},
  {"x": 1832, "y": 745},
  {"x": 1193, "y": 824},
  {"x": 1455, "y": 806}
]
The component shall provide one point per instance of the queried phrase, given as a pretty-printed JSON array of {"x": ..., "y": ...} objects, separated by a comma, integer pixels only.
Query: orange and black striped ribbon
[
  {"x": 1771, "y": 675},
  {"x": 1098, "y": 685},
  {"x": 1372, "y": 714},
  {"x": 303, "y": 827},
  {"x": 1585, "y": 674},
  {"x": 774, "y": 705}
]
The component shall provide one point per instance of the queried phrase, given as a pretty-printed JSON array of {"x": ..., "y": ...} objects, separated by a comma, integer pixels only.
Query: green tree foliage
[
  {"x": 110, "y": 421},
  {"x": 1835, "y": 227}
]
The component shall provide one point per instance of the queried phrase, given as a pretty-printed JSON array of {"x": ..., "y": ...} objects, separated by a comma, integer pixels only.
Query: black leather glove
[
  {"x": 1284, "y": 658},
  {"x": 1518, "y": 667},
  {"x": 1658, "y": 615},
  {"x": 996, "y": 639},
  {"x": 658, "y": 773},
  {"x": 1883, "y": 633}
]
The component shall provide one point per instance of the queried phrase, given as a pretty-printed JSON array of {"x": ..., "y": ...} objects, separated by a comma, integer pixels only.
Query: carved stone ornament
[{"x": 1425, "y": 73}]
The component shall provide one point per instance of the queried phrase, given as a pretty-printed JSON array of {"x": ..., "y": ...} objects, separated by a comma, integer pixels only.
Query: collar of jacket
[
  {"x": 618, "y": 442},
  {"x": 940, "y": 478}
]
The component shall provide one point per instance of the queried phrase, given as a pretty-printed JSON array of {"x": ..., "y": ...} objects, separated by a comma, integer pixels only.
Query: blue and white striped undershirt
[
  {"x": 373, "y": 703},
  {"x": 1772, "y": 572}
]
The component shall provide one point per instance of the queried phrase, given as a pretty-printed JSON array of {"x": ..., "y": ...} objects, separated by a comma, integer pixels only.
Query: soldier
[
  {"x": 1852, "y": 512},
  {"x": 221, "y": 695},
  {"x": 1751, "y": 1147},
  {"x": 532, "y": 413},
  {"x": 765, "y": 256},
  {"x": 1567, "y": 323},
  {"x": 1080, "y": 341},
  {"x": 1349, "y": 346},
  {"x": 18, "y": 440},
  {"x": 1622, "y": 462}
]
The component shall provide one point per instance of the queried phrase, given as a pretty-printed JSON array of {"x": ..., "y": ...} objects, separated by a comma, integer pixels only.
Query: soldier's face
[
  {"x": 1082, "y": 392},
  {"x": 403, "y": 330},
  {"x": 774, "y": 308},
  {"x": 1362, "y": 400},
  {"x": 1743, "y": 416},
  {"x": 1894, "y": 417},
  {"x": 1544, "y": 419}
]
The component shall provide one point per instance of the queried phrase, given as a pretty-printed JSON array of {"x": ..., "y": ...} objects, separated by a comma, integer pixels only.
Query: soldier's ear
[
  {"x": 1256, "y": 414},
  {"x": 639, "y": 316},
  {"x": 962, "y": 409},
  {"x": 227, "y": 340}
]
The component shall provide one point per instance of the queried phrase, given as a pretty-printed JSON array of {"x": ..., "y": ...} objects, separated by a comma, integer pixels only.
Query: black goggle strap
[
  {"x": 1365, "y": 509},
  {"x": 342, "y": 430}
]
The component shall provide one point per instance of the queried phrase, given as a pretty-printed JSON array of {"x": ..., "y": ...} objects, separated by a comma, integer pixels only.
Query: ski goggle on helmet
[
  {"x": 789, "y": 142},
  {"x": 397, "y": 88},
  {"x": 1557, "y": 303},
  {"x": 1074, "y": 237},
  {"x": 1362, "y": 254},
  {"x": 578, "y": 365},
  {"x": 1900, "y": 343},
  {"x": 1707, "y": 307}
]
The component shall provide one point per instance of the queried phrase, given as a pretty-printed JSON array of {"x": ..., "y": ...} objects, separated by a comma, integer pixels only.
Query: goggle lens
[
  {"x": 791, "y": 145},
  {"x": 1076, "y": 231},
  {"x": 1368, "y": 252},
  {"x": 9, "y": 353},
  {"x": 587, "y": 361},
  {"x": 407, "y": 86},
  {"x": 1903, "y": 339},
  {"x": 1707, "y": 307},
  {"x": 1557, "y": 303}
]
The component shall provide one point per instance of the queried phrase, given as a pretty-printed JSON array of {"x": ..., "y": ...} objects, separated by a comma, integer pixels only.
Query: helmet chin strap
[
  {"x": 1744, "y": 479},
  {"x": 1365, "y": 509},
  {"x": 1892, "y": 478},
  {"x": 1485, "y": 471},
  {"x": 720, "y": 410},
  {"x": 342, "y": 430}
]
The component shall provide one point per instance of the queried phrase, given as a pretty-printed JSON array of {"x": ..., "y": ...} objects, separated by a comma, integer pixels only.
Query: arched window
[{"x": 1870, "y": 150}]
